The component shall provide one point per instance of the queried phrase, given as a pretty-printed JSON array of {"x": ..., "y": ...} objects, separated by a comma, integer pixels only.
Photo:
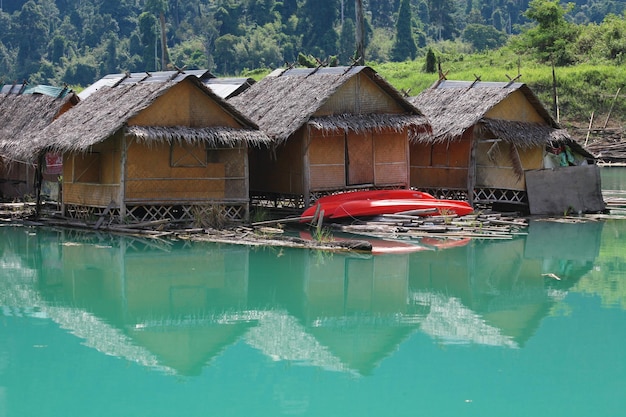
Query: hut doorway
[{"x": 359, "y": 158}]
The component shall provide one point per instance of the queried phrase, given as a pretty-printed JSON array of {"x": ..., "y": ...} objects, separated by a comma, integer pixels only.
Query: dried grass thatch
[
  {"x": 281, "y": 103},
  {"x": 371, "y": 122},
  {"x": 218, "y": 136},
  {"x": 106, "y": 111},
  {"x": 22, "y": 117},
  {"x": 455, "y": 106},
  {"x": 522, "y": 134}
]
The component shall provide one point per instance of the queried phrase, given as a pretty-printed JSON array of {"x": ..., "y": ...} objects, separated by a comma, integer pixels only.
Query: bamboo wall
[
  {"x": 359, "y": 95},
  {"x": 280, "y": 170},
  {"x": 93, "y": 179},
  {"x": 515, "y": 107},
  {"x": 162, "y": 172},
  {"x": 184, "y": 105},
  {"x": 372, "y": 158},
  {"x": 327, "y": 169},
  {"x": 497, "y": 171},
  {"x": 440, "y": 165}
]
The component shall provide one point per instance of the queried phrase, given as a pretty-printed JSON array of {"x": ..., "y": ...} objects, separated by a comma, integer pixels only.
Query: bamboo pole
[
  {"x": 589, "y": 128},
  {"x": 606, "y": 122}
]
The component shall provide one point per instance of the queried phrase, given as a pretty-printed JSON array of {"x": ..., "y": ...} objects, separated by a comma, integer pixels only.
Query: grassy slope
[{"x": 581, "y": 89}]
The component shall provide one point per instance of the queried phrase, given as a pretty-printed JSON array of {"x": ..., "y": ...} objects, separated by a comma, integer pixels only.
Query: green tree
[
  {"x": 483, "y": 37},
  {"x": 32, "y": 39},
  {"x": 430, "y": 65},
  {"x": 404, "y": 45},
  {"x": 347, "y": 41},
  {"x": 159, "y": 7},
  {"x": 317, "y": 19},
  {"x": 442, "y": 24},
  {"x": 553, "y": 37},
  {"x": 147, "y": 24}
]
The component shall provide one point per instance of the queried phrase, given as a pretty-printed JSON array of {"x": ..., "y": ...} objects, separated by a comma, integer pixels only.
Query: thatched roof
[
  {"x": 22, "y": 117},
  {"x": 107, "y": 110},
  {"x": 286, "y": 100},
  {"x": 219, "y": 136},
  {"x": 456, "y": 106}
]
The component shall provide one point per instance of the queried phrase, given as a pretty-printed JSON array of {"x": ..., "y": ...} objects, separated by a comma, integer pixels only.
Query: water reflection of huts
[{"x": 185, "y": 305}]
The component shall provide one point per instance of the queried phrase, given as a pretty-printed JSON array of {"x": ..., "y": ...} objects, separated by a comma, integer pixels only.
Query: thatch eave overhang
[
  {"x": 523, "y": 134},
  {"x": 417, "y": 126},
  {"x": 215, "y": 137}
]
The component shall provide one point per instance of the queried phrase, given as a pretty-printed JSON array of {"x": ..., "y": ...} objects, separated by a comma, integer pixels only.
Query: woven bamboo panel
[
  {"x": 87, "y": 168},
  {"x": 360, "y": 159},
  {"x": 515, "y": 107},
  {"x": 531, "y": 158},
  {"x": 390, "y": 147},
  {"x": 110, "y": 167},
  {"x": 171, "y": 189},
  {"x": 325, "y": 177},
  {"x": 458, "y": 153},
  {"x": 327, "y": 149},
  {"x": 499, "y": 177},
  {"x": 391, "y": 174},
  {"x": 236, "y": 188},
  {"x": 184, "y": 105},
  {"x": 439, "y": 177},
  {"x": 90, "y": 194},
  {"x": 420, "y": 154},
  {"x": 359, "y": 95}
]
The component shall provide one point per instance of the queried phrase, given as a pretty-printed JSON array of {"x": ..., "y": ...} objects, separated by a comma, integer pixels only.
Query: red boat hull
[
  {"x": 331, "y": 202},
  {"x": 365, "y": 208}
]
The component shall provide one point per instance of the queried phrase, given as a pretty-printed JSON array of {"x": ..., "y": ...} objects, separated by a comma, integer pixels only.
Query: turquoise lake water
[{"x": 99, "y": 325}]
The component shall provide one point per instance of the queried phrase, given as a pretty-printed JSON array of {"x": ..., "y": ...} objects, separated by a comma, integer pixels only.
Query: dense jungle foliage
[{"x": 78, "y": 41}]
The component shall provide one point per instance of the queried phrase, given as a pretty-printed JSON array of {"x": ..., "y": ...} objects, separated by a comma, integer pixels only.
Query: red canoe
[
  {"x": 363, "y": 208},
  {"x": 330, "y": 202}
]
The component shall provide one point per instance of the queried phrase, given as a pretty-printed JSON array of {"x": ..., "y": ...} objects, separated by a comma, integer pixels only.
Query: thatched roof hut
[
  {"x": 155, "y": 141},
  {"x": 319, "y": 119},
  {"x": 108, "y": 110},
  {"x": 24, "y": 112},
  {"x": 486, "y": 135}
]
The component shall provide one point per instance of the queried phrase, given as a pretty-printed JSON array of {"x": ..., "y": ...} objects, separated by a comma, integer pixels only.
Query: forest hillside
[{"x": 571, "y": 53}]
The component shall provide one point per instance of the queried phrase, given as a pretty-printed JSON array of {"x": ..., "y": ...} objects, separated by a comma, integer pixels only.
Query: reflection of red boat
[
  {"x": 429, "y": 207},
  {"x": 329, "y": 203},
  {"x": 444, "y": 243},
  {"x": 379, "y": 246}
]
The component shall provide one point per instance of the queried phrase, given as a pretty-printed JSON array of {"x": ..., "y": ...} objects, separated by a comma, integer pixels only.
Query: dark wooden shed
[
  {"x": 332, "y": 129},
  {"x": 24, "y": 112}
]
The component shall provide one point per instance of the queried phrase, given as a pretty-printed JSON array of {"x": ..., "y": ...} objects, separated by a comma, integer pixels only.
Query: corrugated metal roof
[
  {"x": 111, "y": 80},
  {"x": 47, "y": 90}
]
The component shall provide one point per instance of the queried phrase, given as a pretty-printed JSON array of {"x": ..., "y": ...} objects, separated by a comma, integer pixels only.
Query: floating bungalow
[
  {"x": 332, "y": 129},
  {"x": 153, "y": 146},
  {"x": 24, "y": 111},
  {"x": 487, "y": 138}
]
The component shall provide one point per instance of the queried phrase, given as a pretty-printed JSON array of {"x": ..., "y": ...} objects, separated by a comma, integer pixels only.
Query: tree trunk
[
  {"x": 360, "y": 32},
  {"x": 164, "y": 55}
]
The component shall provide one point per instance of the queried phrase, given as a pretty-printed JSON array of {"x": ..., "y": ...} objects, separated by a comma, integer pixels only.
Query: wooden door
[{"x": 359, "y": 159}]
